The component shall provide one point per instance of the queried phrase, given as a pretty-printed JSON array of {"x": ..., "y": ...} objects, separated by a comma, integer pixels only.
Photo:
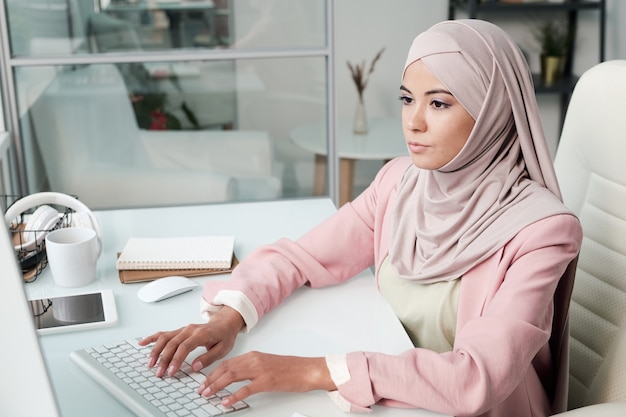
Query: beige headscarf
[{"x": 449, "y": 220}]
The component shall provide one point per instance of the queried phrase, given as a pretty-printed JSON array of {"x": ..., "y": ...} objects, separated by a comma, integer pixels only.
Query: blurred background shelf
[{"x": 568, "y": 10}]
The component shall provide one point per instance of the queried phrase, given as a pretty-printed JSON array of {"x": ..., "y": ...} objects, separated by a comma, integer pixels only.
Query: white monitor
[{"x": 26, "y": 388}]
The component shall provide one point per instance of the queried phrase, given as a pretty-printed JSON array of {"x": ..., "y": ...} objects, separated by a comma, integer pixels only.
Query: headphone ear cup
[{"x": 42, "y": 219}]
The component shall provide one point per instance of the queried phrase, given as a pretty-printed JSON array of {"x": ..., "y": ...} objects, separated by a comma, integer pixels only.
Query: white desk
[
  {"x": 383, "y": 141},
  {"x": 331, "y": 323}
]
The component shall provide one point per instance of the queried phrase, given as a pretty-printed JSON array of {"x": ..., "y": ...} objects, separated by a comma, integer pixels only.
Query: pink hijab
[{"x": 447, "y": 221}]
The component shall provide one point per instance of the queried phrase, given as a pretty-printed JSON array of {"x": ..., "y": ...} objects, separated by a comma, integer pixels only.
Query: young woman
[{"x": 469, "y": 239}]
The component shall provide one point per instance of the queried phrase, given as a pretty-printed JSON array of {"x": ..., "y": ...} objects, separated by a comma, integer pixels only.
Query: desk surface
[
  {"x": 383, "y": 140},
  {"x": 370, "y": 322}
]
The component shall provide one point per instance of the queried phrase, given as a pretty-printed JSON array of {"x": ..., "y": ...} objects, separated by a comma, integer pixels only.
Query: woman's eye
[
  {"x": 440, "y": 104},
  {"x": 405, "y": 99}
]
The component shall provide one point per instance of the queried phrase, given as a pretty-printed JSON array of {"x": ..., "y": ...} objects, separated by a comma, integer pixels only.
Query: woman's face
[{"x": 434, "y": 123}]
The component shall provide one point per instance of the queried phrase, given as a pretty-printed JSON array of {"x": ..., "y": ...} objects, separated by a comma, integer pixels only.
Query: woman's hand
[
  {"x": 217, "y": 336},
  {"x": 267, "y": 373}
]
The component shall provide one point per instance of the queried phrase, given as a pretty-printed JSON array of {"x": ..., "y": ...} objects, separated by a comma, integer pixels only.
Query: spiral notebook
[{"x": 172, "y": 253}]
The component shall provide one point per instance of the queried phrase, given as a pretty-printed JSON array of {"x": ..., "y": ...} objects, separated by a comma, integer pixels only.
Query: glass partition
[
  {"x": 148, "y": 103},
  {"x": 61, "y": 27},
  {"x": 136, "y": 134}
]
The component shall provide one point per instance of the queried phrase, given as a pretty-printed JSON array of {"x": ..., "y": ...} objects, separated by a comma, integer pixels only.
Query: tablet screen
[{"x": 67, "y": 311}]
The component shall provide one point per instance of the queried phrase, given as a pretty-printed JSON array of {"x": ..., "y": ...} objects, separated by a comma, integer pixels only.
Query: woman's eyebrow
[
  {"x": 429, "y": 92},
  {"x": 437, "y": 91}
]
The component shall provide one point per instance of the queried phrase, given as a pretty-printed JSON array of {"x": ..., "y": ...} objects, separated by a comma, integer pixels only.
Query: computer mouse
[{"x": 165, "y": 287}]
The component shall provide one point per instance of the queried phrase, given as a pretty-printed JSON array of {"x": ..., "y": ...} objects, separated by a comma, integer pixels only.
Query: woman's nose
[{"x": 416, "y": 118}]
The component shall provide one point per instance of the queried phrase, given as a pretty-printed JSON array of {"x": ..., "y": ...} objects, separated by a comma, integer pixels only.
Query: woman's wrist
[
  {"x": 318, "y": 375},
  {"x": 231, "y": 317}
]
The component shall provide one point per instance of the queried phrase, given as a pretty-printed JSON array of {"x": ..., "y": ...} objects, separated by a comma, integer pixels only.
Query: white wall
[{"x": 362, "y": 28}]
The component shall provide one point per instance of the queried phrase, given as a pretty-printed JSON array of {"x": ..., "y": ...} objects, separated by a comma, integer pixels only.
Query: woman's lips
[{"x": 416, "y": 147}]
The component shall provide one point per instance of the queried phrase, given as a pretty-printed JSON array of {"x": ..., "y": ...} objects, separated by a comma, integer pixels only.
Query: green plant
[
  {"x": 149, "y": 102},
  {"x": 554, "y": 37}
]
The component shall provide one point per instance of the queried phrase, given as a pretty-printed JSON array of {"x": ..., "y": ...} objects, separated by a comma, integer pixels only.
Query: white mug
[{"x": 72, "y": 256}]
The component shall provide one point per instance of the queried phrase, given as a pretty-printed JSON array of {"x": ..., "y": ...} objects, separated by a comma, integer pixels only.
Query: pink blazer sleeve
[
  {"x": 500, "y": 352},
  {"x": 332, "y": 252}
]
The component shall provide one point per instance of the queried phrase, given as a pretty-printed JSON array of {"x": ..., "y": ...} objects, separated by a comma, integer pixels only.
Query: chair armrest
[
  {"x": 613, "y": 409},
  {"x": 102, "y": 187},
  {"x": 235, "y": 152}
]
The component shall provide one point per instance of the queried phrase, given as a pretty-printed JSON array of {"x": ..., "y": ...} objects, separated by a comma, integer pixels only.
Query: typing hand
[
  {"x": 266, "y": 373},
  {"x": 217, "y": 337}
]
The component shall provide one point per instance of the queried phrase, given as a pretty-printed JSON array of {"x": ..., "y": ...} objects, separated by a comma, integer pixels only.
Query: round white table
[{"x": 383, "y": 141}]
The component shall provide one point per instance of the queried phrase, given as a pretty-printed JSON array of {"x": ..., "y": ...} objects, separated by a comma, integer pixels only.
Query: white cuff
[
  {"x": 338, "y": 368},
  {"x": 340, "y": 374},
  {"x": 340, "y": 402},
  {"x": 235, "y": 300}
]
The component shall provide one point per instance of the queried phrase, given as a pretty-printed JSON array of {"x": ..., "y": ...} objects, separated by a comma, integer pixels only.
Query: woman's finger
[
  {"x": 216, "y": 352},
  {"x": 178, "y": 347},
  {"x": 170, "y": 349},
  {"x": 159, "y": 340}
]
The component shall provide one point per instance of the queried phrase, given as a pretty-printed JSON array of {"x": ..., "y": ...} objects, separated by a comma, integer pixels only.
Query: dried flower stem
[{"x": 359, "y": 76}]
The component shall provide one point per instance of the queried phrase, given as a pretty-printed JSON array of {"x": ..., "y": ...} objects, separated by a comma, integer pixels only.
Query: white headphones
[{"x": 45, "y": 217}]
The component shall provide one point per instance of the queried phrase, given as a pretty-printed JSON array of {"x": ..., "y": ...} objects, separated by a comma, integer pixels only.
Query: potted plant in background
[
  {"x": 555, "y": 40},
  {"x": 150, "y": 103}
]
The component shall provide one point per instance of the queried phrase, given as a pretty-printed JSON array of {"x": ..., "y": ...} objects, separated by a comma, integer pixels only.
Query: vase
[
  {"x": 551, "y": 68},
  {"x": 360, "y": 118}
]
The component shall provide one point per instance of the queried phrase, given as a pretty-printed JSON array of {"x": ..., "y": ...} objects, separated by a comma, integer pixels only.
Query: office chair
[{"x": 591, "y": 167}]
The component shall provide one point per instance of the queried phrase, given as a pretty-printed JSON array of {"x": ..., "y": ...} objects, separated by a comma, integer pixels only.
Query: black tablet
[{"x": 74, "y": 312}]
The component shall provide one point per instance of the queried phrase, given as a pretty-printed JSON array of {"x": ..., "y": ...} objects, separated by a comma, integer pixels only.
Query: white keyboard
[{"x": 121, "y": 368}]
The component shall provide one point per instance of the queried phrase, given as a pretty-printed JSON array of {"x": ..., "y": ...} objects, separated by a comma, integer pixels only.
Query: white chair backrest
[
  {"x": 591, "y": 166},
  {"x": 212, "y": 149},
  {"x": 84, "y": 117}
]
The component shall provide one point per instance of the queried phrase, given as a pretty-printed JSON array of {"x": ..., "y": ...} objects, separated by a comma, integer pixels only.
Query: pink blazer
[{"x": 501, "y": 364}]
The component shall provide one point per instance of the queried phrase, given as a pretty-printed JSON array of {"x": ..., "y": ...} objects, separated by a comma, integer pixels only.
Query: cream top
[{"x": 427, "y": 311}]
